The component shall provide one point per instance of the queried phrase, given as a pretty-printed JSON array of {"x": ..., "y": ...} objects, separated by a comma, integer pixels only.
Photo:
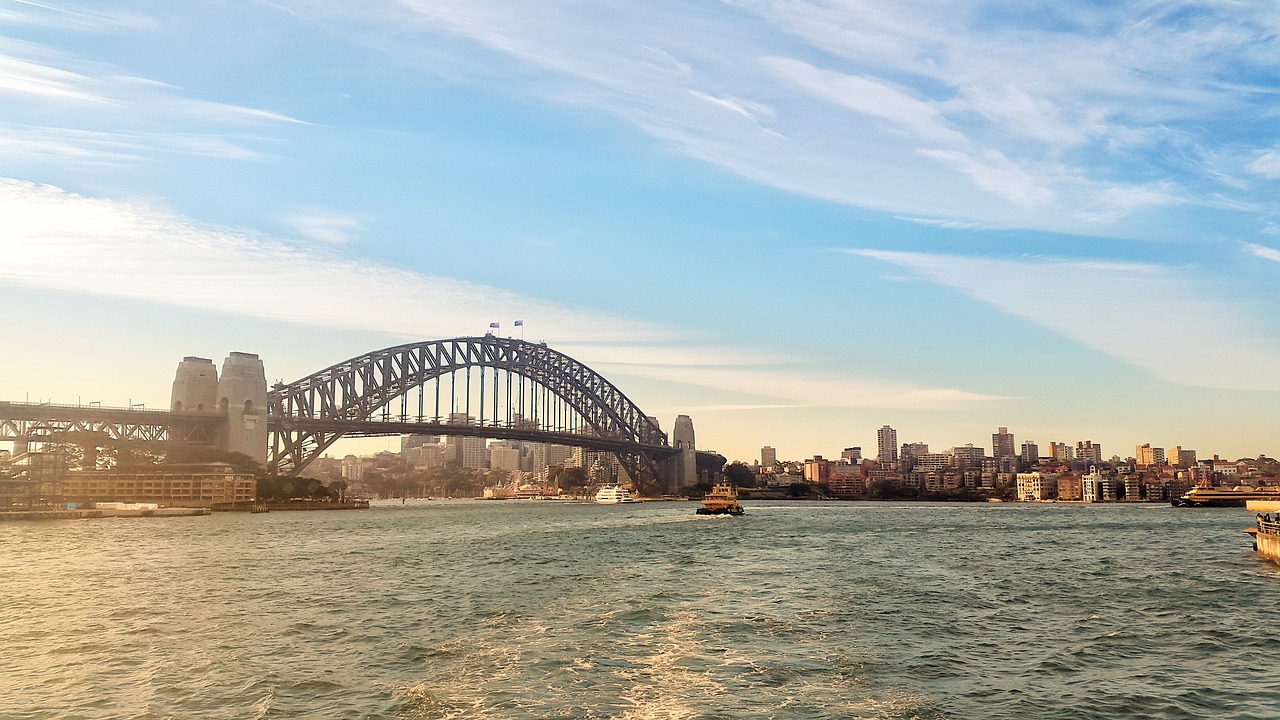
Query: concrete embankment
[{"x": 94, "y": 514}]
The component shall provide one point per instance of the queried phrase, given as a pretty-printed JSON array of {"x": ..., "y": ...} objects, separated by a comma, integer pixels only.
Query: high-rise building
[
  {"x": 1088, "y": 452},
  {"x": 467, "y": 452},
  {"x": 851, "y": 455},
  {"x": 1182, "y": 458},
  {"x": 1030, "y": 453},
  {"x": 1148, "y": 456},
  {"x": 1061, "y": 452},
  {"x": 887, "y": 444},
  {"x": 968, "y": 457},
  {"x": 1002, "y": 444},
  {"x": 768, "y": 458}
]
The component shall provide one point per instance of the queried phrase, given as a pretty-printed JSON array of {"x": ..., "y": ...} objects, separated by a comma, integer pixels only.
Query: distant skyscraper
[
  {"x": 887, "y": 444},
  {"x": 1030, "y": 453},
  {"x": 851, "y": 454},
  {"x": 1002, "y": 445},
  {"x": 1087, "y": 451},
  {"x": 968, "y": 457},
  {"x": 768, "y": 457}
]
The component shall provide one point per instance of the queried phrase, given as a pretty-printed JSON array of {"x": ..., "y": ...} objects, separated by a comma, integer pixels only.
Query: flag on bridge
[
  {"x": 519, "y": 323},
  {"x": 493, "y": 325}
]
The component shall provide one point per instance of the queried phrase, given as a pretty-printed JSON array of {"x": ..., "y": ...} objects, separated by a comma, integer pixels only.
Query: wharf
[{"x": 95, "y": 514}]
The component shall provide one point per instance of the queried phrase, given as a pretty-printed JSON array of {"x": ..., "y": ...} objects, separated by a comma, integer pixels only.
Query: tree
[
  {"x": 571, "y": 478},
  {"x": 340, "y": 487},
  {"x": 738, "y": 474}
]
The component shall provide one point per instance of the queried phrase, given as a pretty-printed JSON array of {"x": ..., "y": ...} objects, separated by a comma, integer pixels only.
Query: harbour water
[{"x": 525, "y": 609}]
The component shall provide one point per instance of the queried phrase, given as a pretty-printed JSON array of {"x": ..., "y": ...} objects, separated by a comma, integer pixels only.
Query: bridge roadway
[
  {"x": 27, "y": 420},
  {"x": 374, "y": 428}
]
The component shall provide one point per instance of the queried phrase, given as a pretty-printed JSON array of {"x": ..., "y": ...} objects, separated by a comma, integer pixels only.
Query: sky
[{"x": 794, "y": 221}]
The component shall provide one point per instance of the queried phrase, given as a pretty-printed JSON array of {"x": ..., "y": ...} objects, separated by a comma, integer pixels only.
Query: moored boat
[
  {"x": 722, "y": 500},
  {"x": 1225, "y": 497},
  {"x": 614, "y": 495}
]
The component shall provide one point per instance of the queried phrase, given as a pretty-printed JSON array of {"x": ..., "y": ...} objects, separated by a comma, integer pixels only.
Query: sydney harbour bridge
[{"x": 482, "y": 387}]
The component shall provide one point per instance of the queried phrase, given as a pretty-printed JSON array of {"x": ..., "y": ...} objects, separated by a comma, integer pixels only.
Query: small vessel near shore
[
  {"x": 722, "y": 500},
  {"x": 1266, "y": 536},
  {"x": 614, "y": 495},
  {"x": 1224, "y": 497}
]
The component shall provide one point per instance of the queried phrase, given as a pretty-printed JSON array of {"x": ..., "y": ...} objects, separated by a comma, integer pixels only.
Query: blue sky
[{"x": 795, "y": 221}]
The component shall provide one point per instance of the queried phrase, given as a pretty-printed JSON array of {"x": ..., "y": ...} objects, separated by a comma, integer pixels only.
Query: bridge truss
[
  {"x": 22, "y": 421},
  {"x": 491, "y": 387}
]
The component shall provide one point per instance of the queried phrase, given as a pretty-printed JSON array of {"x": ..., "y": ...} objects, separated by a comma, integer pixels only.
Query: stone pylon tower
[
  {"x": 686, "y": 463},
  {"x": 242, "y": 397},
  {"x": 239, "y": 395},
  {"x": 195, "y": 386}
]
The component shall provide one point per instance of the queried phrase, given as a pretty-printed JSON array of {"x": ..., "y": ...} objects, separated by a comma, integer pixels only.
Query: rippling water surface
[{"x": 458, "y": 609}]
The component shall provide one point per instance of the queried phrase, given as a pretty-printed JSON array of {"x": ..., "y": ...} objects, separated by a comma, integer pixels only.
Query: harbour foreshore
[{"x": 94, "y": 514}]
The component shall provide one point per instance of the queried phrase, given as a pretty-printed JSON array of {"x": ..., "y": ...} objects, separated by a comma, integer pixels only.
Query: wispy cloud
[
  {"x": 324, "y": 226},
  {"x": 62, "y": 15},
  {"x": 1262, "y": 251},
  {"x": 106, "y": 116},
  {"x": 1115, "y": 308},
  {"x": 64, "y": 241},
  {"x": 1266, "y": 164},
  {"x": 1056, "y": 120}
]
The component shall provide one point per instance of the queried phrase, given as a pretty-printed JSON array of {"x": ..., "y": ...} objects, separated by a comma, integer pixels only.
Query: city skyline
[{"x": 794, "y": 223}]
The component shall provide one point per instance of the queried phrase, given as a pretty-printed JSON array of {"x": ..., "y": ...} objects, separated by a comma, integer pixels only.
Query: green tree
[{"x": 737, "y": 473}]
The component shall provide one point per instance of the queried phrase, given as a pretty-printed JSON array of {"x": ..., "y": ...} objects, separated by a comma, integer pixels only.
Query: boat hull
[{"x": 721, "y": 511}]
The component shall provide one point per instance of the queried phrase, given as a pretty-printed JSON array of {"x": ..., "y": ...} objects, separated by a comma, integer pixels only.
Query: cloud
[
  {"x": 1262, "y": 251},
  {"x": 324, "y": 226},
  {"x": 54, "y": 15},
  {"x": 92, "y": 112},
  {"x": 1266, "y": 164},
  {"x": 1060, "y": 119},
  {"x": 18, "y": 76},
  {"x": 63, "y": 241},
  {"x": 1118, "y": 308}
]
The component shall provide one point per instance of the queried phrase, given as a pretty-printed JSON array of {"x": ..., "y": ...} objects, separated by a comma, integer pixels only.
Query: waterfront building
[
  {"x": 1035, "y": 487},
  {"x": 887, "y": 445},
  {"x": 1095, "y": 487},
  {"x": 189, "y": 485},
  {"x": 1069, "y": 487},
  {"x": 1133, "y": 488}
]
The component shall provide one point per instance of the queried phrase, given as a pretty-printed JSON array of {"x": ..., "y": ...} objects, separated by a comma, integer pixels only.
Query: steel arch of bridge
[{"x": 307, "y": 416}]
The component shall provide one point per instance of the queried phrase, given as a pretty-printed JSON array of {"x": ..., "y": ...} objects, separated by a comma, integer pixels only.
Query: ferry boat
[
  {"x": 1224, "y": 497},
  {"x": 614, "y": 495},
  {"x": 722, "y": 500}
]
